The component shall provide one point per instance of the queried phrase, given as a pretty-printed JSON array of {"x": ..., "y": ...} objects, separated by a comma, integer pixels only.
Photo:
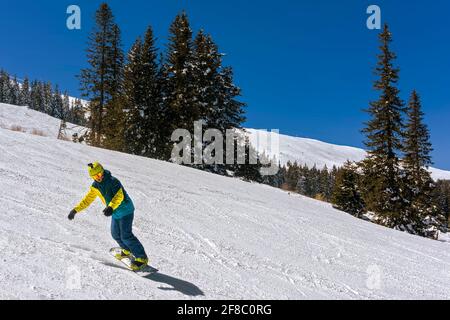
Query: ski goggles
[{"x": 98, "y": 176}]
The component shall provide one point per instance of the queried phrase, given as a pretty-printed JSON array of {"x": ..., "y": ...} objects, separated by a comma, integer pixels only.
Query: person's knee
[
  {"x": 128, "y": 237},
  {"x": 116, "y": 236}
]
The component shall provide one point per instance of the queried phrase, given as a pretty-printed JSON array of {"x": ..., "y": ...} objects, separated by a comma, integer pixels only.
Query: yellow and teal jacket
[{"x": 112, "y": 194}]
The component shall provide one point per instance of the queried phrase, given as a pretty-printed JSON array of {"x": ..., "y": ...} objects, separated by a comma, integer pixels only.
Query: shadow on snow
[{"x": 179, "y": 285}]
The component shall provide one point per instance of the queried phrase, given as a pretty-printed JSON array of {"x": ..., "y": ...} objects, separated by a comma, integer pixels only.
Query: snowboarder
[{"x": 120, "y": 207}]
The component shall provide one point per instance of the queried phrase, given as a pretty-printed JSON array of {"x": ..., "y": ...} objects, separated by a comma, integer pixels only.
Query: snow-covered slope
[
  {"x": 304, "y": 151},
  {"x": 212, "y": 237},
  {"x": 313, "y": 152},
  {"x": 439, "y": 174},
  {"x": 22, "y": 118}
]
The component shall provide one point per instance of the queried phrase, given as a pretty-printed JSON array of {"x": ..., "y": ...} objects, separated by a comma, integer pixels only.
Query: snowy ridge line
[{"x": 314, "y": 152}]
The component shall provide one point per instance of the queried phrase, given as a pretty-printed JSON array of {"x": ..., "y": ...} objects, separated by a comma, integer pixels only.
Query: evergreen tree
[
  {"x": 25, "y": 93},
  {"x": 134, "y": 96},
  {"x": 115, "y": 125},
  {"x": 76, "y": 113},
  {"x": 47, "y": 98},
  {"x": 100, "y": 82},
  {"x": 145, "y": 130},
  {"x": 154, "y": 126},
  {"x": 292, "y": 175},
  {"x": 231, "y": 111},
  {"x": 417, "y": 146},
  {"x": 423, "y": 217},
  {"x": 382, "y": 183},
  {"x": 36, "y": 94},
  {"x": 164, "y": 146},
  {"x": 206, "y": 67},
  {"x": 79, "y": 112},
  {"x": 33, "y": 95},
  {"x": 14, "y": 91},
  {"x": 312, "y": 181},
  {"x": 332, "y": 180},
  {"x": 182, "y": 110},
  {"x": 441, "y": 196},
  {"x": 215, "y": 93},
  {"x": 324, "y": 191},
  {"x": 302, "y": 182},
  {"x": 305, "y": 181},
  {"x": 65, "y": 110},
  {"x": 7, "y": 89},
  {"x": 276, "y": 180},
  {"x": 250, "y": 170},
  {"x": 228, "y": 113},
  {"x": 3, "y": 89},
  {"x": 207, "y": 64},
  {"x": 114, "y": 116},
  {"x": 56, "y": 105},
  {"x": 347, "y": 196}
]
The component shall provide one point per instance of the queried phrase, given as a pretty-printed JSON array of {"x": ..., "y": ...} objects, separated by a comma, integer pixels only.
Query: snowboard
[{"x": 147, "y": 270}]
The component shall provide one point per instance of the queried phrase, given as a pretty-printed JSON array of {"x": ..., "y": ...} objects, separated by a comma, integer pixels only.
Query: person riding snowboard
[{"x": 120, "y": 207}]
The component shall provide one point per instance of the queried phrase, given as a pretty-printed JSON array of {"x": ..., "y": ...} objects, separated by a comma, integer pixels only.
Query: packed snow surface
[{"x": 211, "y": 237}]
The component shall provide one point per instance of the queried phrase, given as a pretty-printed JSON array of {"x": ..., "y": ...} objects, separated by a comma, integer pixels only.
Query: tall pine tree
[
  {"x": 182, "y": 110},
  {"x": 417, "y": 145},
  {"x": 207, "y": 63},
  {"x": 145, "y": 130},
  {"x": 423, "y": 214},
  {"x": 382, "y": 182},
  {"x": 99, "y": 81},
  {"x": 115, "y": 117},
  {"x": 134, "y": 96}
]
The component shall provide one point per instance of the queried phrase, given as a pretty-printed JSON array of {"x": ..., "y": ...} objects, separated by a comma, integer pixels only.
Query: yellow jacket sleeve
[
  {"x": 117, "y": 199},
  {"x": 87, "y": 200}
]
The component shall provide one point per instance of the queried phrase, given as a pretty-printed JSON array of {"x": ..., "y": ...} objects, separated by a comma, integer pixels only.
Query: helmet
[{"x": 95, "y": 168}]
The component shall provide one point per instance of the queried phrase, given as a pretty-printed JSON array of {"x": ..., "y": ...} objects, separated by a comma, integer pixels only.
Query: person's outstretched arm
[{"x": 85, "y": 203}]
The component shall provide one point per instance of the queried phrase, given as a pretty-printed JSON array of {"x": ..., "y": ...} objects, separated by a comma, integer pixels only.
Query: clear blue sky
[{"x": 305, "y": 67}]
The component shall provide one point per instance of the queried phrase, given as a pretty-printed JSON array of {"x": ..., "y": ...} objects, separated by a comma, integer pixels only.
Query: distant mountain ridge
[{"x": 314, "y": 152}]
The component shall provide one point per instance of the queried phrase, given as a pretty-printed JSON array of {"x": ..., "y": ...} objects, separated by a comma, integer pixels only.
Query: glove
[
  {"x": 108, "y": 211},
  {"x": 72, "y": 214}
]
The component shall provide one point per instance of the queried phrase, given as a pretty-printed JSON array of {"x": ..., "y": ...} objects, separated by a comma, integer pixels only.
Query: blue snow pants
[{"x": 121, "y": 231}]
